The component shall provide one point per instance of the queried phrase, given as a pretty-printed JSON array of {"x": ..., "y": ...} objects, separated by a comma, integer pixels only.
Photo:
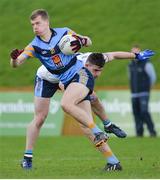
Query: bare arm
[
  {"x": 18, "y": 61},
  {"x": 109, "y": 56},
  {"x": 18, "y": 57}
]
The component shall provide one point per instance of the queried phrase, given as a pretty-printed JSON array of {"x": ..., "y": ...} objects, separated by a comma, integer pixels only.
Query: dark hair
[
  {"x": 39, "y": 12},
  {"x": 96, "y": 59},
  {"x": 136, "y": 46}
]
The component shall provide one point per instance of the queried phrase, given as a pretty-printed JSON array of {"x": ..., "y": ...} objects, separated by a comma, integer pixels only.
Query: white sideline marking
[{"x": 24, "y": 125}]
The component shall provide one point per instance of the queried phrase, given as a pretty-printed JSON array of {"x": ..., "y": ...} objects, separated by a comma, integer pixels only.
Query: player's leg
[
  {"x": 41, "y": 111},
  {"x": 112, "y": 163},
  {"x": 74, "y": 95},
  {"x": 137, "y": 117},
  {"x": 33, "y": 129},
  {"x": 77, "y": 90},
  {"x": 99, "y": 110},
  {"x": 99, "y": 136},
  {"x": 145, "y": 114},
  {"x": 43, "y": 91},
  {"x": 71, "y": 100}
]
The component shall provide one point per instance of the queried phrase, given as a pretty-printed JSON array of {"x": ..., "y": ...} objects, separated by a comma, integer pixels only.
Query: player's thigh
[
  {"x": 41, "y": 106},
  {"x": 44, "y": 88},
  {"x": 80, "y": 87},
  {"x": 43, "y": 91},
  {"x": 74, "y": 93}
]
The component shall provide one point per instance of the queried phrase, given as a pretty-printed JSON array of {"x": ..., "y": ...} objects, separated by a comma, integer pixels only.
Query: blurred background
[{"x": 112, "y": 25}]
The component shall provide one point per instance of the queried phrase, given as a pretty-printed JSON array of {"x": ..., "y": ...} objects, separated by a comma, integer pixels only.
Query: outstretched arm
[
  {"x": 16, "y": 60},
  {"x": 18, "y": 56},
  {"x": 142, "y": 55},
  {"x": 109, "y": 56}
]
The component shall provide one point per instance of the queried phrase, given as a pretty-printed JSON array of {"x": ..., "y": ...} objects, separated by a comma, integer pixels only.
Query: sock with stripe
[
  {"x": 110, "y": 157},
  {"x": 94, "y": 128},
  {"x": 107, "y": 122},
  {"x": 28, "y": 155}
]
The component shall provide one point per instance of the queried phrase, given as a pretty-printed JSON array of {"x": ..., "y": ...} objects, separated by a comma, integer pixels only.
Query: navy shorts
[
  {"x": 85, "y": 77},
  {"x": 44, "y": 88}
]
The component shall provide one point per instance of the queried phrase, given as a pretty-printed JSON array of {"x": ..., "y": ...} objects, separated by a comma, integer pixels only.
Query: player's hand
[
  {"x": 61, "y": 86},
  {"x": 76, "y": 45},
  {"x": 144, "y": 55},
  {"x": 83, "y": 41},
  {"x": 15, "y": 53}
]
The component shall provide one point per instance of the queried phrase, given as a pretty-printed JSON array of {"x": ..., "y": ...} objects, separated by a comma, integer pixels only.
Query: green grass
[
  {"x": 112, "y": 25},
  {"x": 74, "y": 157}
]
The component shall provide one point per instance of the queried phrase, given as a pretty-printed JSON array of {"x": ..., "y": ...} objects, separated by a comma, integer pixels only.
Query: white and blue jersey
[{"x": 63, "y": 66}]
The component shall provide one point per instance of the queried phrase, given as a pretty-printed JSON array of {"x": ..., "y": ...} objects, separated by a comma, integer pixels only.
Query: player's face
[
  {"x": 135, "y": 50},
  {"x": 39, "y": 25},
  {"x": 94, "y": 69}
]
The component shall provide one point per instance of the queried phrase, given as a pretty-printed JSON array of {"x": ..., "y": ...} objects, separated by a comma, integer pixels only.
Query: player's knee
[
  {"x": 67, "y": 107},
  {"x": 39, "y": 120}
]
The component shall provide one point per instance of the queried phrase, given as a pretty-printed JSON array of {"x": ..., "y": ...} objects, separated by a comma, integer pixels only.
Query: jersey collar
[{"x": 52, "y": 35}]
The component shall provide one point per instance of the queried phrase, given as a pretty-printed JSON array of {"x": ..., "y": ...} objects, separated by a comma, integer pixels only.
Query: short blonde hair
[{"x": 39, "y": 12}]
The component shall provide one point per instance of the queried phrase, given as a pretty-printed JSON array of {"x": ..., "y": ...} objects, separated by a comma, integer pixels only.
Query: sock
[
  {"x": 110, "y": 157},
  {"x": 107, "y": 122},
  {"x": 94, "y": 128},
  {"x": 28, "y": 155}
]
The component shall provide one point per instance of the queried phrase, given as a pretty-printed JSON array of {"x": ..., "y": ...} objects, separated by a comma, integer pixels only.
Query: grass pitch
[{"x": 75, "y": 157}]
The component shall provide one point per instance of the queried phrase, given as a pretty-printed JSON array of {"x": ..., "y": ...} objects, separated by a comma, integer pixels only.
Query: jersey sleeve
[
  {"x": 28, "y": 51},
  {"x": 70, "y": 31}
]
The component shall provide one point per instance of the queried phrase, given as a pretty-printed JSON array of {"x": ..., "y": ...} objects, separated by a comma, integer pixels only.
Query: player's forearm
[
  {"x": 16, "y": 62},
  {"x": 118, "y": 55},
  {"x": 87, "y": 41},
  {"x": 16, "y": 57},
  {"x": 123, "y": 55}
]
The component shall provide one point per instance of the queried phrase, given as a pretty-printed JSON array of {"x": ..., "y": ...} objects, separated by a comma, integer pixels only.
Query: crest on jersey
[
  {"x": 52, "y": 51},
  {"x": 57, "y": 61}
]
